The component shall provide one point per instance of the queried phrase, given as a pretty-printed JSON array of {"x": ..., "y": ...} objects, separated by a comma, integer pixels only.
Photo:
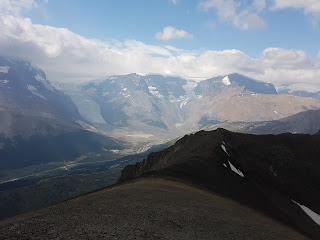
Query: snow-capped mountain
[
  {"x": 38, "y": 123},
  {"x": 155, "y": 107},
  {"x": 215, "y": 85},
  {"x": 25, "y": 89}
]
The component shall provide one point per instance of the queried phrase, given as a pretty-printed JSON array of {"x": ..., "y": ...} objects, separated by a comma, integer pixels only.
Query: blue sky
[
  {"x": 141, "y": 19},
  {"x": 77, "y": 41}
]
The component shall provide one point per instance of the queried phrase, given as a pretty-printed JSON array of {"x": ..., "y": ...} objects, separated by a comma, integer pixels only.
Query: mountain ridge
[
  {"x": 271, "y": 168},
  {"x": 164, "y": 194}
]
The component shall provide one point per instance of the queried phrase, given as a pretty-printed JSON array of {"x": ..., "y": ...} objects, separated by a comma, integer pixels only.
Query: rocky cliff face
[{"x": 277, "y": 174}]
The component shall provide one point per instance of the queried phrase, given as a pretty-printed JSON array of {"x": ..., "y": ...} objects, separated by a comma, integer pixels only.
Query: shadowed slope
[
  {"x": 190, "y": 190},
  {"x": 269, "y": 172}
]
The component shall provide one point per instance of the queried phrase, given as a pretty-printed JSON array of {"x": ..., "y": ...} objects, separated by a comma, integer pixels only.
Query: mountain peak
[{"x": 253, "y": 85}]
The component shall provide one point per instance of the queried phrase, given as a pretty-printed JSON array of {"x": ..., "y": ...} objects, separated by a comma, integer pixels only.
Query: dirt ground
[{"x": 151, "y": 208}]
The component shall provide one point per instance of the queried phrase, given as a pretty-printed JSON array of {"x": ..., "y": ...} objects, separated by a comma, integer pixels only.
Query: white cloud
[
  {"x": 243, "y": 16},
  {"x": 70, "y": 57},
  {"x": 15, "y": 7},
  {"x": 169, "y": 33},
  {"x": 310, "y": 7},
  {"x": 175, "y": 2},
  {"x": 318, "y": 59},
  {"x": 284, "y": 58}
]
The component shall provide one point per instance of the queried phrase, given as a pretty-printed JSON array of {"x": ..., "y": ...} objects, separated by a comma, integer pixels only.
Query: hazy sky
[{"x": 74, "y": 40}]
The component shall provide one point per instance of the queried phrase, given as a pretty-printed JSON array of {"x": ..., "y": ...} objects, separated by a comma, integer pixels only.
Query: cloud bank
[{"x": 72, "y": 58}]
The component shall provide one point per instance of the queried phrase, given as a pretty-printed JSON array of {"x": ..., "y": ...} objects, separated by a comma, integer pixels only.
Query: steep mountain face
[
  {"x": 38, "y": 123},
  {"x": 29, "y": 105},
  {"x": 133, "y": 98},
  {"x": 25, "y": 89},
  {"x": 154, "y": 108},
  {"x": 277, "y": 174}
]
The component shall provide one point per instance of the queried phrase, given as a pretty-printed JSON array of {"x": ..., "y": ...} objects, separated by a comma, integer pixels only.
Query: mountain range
[
  {"x": 135, "y": 108},
  {"x": 155, "y": 108},
  {"x": 129, "y": 113},
  {"x": 55, "y": 137}
]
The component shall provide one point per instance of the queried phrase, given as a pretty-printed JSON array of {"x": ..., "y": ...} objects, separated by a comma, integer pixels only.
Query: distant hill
[
  {"x": 307, "y": 122},
  {"x": 303, "y": 122},
  {"x": 301, "y": 93}
]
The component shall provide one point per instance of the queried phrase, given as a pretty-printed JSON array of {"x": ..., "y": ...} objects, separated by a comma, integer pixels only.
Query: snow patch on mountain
[
  {"x": 226, "y": 81},
  {"x": 184, "y": 102},
  {"x": 313, "y": 215},
  {"x": 3, "y": 82},
  {"x": 4, "y": 69},
  {"x": 236, "y": 170},
  {"x": 87, "y": 126},
  {"x": 223, "y": 147},
  {"x": 35, "y": 92},
  {"x": 154, "y": 91},
  {"x": 40, "y": 78},
  {"x": 125, "y": 93}
]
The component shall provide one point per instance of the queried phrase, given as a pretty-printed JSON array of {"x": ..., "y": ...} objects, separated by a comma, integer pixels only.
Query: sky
[{"x": 76, "y": 40}]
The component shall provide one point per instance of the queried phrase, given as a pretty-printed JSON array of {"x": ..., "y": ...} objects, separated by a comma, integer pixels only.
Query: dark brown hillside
[
  {"x": 276, "y": 169},
  {"x": 209, "y": 185},
  {"x": 152, "y": 208}
]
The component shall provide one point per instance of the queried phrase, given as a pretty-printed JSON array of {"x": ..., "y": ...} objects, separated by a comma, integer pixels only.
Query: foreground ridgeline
[{"x": 209, "y": 185}]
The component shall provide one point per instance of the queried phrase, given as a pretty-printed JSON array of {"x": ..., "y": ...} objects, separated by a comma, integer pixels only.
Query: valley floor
[{"x": 148, "y": 208}]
